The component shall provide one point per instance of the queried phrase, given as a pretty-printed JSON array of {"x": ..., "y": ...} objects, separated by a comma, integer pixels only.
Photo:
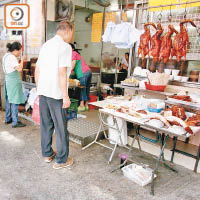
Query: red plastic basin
[{"x": 160, "y": 88}]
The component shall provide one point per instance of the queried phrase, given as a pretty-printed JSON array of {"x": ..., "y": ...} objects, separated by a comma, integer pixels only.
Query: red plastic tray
[{"x": 160, "y": 88}]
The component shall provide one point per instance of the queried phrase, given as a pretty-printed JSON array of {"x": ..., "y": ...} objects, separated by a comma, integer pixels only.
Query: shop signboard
[
  {"x": 171, "y": 2},
  {"x": 97, "y": 21},
  {"x": 110, "y": 17}
]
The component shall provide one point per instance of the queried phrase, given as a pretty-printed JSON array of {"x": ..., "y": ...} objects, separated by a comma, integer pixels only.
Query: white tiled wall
[{"x": 83, "y": 37}]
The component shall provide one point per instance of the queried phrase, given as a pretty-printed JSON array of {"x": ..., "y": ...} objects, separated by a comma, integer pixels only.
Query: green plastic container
[{"x": 73, "y": 105}]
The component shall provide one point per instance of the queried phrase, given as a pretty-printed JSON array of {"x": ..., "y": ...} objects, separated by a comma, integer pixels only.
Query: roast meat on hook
[
  {"x": 145, "y": 40},
  {"x": 156, "y": 43},
  {"x": 166, "y": 44},
  {"x": 181, "y": 41}
]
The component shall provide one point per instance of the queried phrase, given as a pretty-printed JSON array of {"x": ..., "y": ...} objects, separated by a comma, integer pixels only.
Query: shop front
[{"x": 144, "y": 58}]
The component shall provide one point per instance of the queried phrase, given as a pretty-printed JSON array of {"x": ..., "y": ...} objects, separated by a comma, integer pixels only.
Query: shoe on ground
[
  {"x": 87, "y": 108},
  {"x": 19, "y": 125},
  {"x": 69, "y": 162},
  {"x": 8, "y": 122},
  {"x": 50, "y": 158},
  {"x": 81, "y": 109}
]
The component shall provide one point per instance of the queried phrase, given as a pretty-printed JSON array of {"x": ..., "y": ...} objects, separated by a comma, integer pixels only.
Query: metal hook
[
  {"x": 198, "y": 35},
  {"x": 198, "y": 30},
  {"x": 147, "y": 13},
  {"x": 170, "y": 18},
  {"x": 159, "y": 17},
  {"x": 147, "y": 16},
  {"x": 185, "y": 13},
  {"x": 170, "y": 14}
]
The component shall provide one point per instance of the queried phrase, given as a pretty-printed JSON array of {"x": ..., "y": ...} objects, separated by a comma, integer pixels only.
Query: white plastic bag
[
  {"x": 113, "y": 134},
  {"x": 32, "y": 97}
]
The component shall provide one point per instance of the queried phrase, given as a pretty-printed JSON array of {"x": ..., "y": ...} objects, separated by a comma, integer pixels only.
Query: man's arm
[
  {"x": 63, "y": 85},
  {"x": 37, "y": 74}
]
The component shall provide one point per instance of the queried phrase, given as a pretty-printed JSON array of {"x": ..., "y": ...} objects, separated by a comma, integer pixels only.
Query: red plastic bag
[{"x": 36, "y": 111}]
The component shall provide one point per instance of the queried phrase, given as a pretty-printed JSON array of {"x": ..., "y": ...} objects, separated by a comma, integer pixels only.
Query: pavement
[{"x": 25, "y": 176}]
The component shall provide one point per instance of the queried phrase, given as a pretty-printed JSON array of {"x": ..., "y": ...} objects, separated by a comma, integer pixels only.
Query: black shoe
[
  {"x": 8, "y": 122},
  {"x": 19, "y": 125}
]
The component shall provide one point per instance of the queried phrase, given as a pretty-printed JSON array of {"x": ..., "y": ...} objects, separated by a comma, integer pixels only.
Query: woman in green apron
[{"x": 13, "y": 85}]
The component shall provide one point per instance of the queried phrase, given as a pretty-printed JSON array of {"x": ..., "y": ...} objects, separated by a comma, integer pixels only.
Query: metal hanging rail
[
  {"x": 174, "y": 4},
  {"x": 161, "y": 6}
]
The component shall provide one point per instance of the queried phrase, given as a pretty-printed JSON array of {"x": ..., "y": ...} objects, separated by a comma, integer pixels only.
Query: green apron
[
  {"x": 78, "y": 69},
  {"x": 13, "y": 86}
]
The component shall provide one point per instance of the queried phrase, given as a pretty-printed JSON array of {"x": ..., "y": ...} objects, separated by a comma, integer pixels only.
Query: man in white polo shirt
[{"x": 52, "y": 72}]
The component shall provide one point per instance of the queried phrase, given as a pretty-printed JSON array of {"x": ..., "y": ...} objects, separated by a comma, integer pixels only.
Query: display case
[{"x": 187, "y": 68}]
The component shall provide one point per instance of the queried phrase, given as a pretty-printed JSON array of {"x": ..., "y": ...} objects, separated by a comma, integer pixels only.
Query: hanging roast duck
[
  {"x": 166, "y": 44},
  {"x": 181, "y": 41},
  {"x": 156, "y": 43},
  {"x": 145, "y": 39}
]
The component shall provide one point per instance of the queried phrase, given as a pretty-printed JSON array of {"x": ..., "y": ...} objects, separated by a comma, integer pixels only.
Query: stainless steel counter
[{"x": 177, "y": 83}]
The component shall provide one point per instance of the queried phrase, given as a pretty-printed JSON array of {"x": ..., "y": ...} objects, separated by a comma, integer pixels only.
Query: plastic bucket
[{"x": 93, "y": 98}]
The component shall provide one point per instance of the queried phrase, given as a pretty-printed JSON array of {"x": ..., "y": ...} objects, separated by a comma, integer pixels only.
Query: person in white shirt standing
[{"x": 52, "y": 72}]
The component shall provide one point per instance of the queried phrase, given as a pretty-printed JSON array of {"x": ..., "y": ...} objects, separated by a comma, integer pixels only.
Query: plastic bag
[
  {"x": 139, "y": 174},
  {"x": 36, "y": 111},
  {"x": 32, "y": 97},
  {"x": 113, "y": 134}
]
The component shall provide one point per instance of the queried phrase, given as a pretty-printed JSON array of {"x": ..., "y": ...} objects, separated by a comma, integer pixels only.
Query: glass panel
[{"x": 192, "y": 65}]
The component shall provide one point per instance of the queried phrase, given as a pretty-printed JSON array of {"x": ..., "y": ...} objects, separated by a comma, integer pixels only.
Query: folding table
[{"x": 162, "y": 136}]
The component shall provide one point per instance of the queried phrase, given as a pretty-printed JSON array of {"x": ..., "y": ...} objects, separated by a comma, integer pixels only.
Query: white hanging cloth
[
  {"x": 108, "y": 32},
  {"x": 122, "y": 35}
]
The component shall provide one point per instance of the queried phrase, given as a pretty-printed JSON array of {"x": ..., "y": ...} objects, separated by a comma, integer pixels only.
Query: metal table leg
[
  {"x": 196, "y": 157},
  {"x": 131, "y": 148},
  {"x": 112, "y": 154},
  {"x": 161, "y": 138},
  {"x": 187, "y": 140},
  {"x": 197, "y": 160},
  {"x": 138, "y": 139},
  {"x": 157, "y": 163},
  {"x": 114, "y": 126},
  {"x": 174, "y": 148},
  {"x": 95, "y": 140}
]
